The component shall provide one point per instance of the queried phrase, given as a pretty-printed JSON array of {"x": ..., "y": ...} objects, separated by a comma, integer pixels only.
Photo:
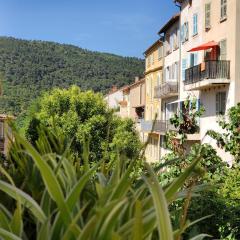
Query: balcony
[
  {"x": 165, "y": 90},
  {"x": 207, "y": 74},
  {"x": 160, "y": 126}
]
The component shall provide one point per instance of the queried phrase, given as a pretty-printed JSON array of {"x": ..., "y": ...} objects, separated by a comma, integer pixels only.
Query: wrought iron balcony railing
[
  {"x": 160, "y": 126},
  {"x": 216, "y": 70},
  {"x": 166, "y": 89}
]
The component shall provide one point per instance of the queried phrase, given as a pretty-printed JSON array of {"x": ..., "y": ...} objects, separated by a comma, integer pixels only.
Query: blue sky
[{"x": 124, "y": 27}]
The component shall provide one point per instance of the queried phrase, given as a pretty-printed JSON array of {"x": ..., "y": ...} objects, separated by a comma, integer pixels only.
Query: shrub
[{"x": 90, "y": 202}]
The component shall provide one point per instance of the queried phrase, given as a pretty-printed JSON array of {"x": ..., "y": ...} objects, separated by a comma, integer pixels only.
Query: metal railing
[
  {"x": 160, "y": 126},
  {"x": 165, "y": 89},
  {"x": 213, "y": 69}
]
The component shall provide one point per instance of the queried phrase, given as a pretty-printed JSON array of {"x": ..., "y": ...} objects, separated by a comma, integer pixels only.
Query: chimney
[{"x": 136, "y": 79}]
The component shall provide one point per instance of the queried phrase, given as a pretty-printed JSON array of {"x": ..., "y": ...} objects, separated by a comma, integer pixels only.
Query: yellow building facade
[{"x": 153, "y": 78}]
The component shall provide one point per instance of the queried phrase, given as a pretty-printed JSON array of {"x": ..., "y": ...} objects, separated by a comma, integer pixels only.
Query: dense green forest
[{"x": 30, "y": 67}]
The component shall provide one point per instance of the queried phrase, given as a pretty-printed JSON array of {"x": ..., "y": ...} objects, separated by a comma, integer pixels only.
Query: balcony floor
[{"x": 206, "y": 83}]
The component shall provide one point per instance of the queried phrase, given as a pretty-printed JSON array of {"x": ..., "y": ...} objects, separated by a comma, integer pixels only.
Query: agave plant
[{"x": 88, "y": 202}]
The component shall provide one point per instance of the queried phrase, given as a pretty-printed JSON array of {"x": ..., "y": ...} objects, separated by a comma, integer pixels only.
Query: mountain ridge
[{"x": 30, "y": 67}]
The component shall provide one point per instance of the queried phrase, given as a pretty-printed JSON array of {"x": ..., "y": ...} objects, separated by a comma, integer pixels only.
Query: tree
[
  {"x": 229, "y": 140},
  {"x": 84, "y": 116}
]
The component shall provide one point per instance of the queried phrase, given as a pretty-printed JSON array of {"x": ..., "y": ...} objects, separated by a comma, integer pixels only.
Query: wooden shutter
[
  {"x": 184, "y": 66},
  {"x": 223, "y": 8},
  {"x": 223, "y": 50},
  {"x": 195, "y": 24},
  {"x": 208, "y": 16}
]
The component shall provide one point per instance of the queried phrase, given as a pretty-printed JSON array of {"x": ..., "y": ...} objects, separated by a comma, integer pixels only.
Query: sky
[{"x": 123, "y": 27}]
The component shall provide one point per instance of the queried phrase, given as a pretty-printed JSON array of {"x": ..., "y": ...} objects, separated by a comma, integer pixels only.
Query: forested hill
[{"x": 29, "y": 67}]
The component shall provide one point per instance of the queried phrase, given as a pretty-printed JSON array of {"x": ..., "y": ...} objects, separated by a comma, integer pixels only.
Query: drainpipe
[{"x": 180, "y": 50}]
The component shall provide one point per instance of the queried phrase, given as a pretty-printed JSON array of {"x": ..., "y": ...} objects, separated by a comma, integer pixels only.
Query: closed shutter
[
  {"x": 223, "y": 9},
  {"x": 184, "y": 66},
  {"x": 195, "y": 24},
  {"x": 221, "y": 103},
  {"x": 176, "y": 70},
  {"x": 223, "y": 50},
  {"x": 187, "y": 31},
  {"x": 208, "y": 16}
]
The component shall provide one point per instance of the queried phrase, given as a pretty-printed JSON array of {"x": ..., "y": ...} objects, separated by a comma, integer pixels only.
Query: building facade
[
  {"x": 132, "y": 104},
  {"x": 168, "y": 90},
  {"x": 210, "y": 60},
  {"x": 154, "y": 56},
  {"x": 113, "y": 98}
]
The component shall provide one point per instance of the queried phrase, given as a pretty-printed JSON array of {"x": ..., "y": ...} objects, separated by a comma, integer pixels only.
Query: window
[
  {"x": 160, "y": 53},
  {"x": 220, "y": 103},
  {"x": 148, "y": 61},
  {"x": 167, "y": 44},
  {"x": 184, "y": 67},
  {"x": 195, "y": 24},
  {"x": 158, "y": 79},
  {"x": 176, "y": 70},
  {"x": 171, "y": 42},
  {"x": 193, "y": 59},
  {"x": 155, "y": 144},
  {"x": 207, "y": 55},
  {"x": 208, "y": 16},
  {"x": 184, "y": 32},
  {"x": 223, "y": 9},
  {"x": 162, "y": 141},
  {"x": 223, "y": 50},
  {"x": 175, "y": 39},
  {"x": 152, "y": 59}
]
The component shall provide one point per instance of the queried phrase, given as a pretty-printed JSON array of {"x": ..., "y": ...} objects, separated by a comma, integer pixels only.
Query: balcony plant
[{"x": 186, "y": 122}]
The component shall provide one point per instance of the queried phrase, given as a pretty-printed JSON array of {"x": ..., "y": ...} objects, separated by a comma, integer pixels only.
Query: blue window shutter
[
  {"x": 198, "y": 105},
  {"x": 182, "y": 33},
  {"x": 195, "y": 59},
  {"x": 184, "y": 66},
  {"x": 195, "y": 24}
]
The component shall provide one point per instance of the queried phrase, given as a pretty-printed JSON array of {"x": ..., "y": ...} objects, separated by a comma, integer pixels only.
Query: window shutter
[
  {"x": 187, "y": 32},
  {"x": 195, "y": 24},
  {"x": 221, "y": 103},
  {"x": 176, "y": 70},
  {"x": 195, "y": 59},
  {"x": 182, "y": 33},
  {"x": 223, "y": 50},
  {"x": 208, "y": 16},
  {"x": 223, "y": 8},
  {"x": 184, "y": 66}
]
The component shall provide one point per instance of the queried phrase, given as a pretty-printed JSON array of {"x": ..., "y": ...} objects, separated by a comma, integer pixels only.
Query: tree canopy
[{"x": 79, "y": 114}]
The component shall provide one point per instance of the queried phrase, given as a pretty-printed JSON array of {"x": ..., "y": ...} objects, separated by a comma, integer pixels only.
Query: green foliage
[
  {"x": 211, "y": 201},
  {"x": 212, "y": 164},
  {"x": 229, "y": 140},
  {"x": 186, "y": 119},
  {"x": 231, "y": 187},
  {"x": 77, "y": 114},
  {"x": 86, "y": 203},
  {"x": 31, "y": 67},
  {"x": 223, "y": 202}
]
